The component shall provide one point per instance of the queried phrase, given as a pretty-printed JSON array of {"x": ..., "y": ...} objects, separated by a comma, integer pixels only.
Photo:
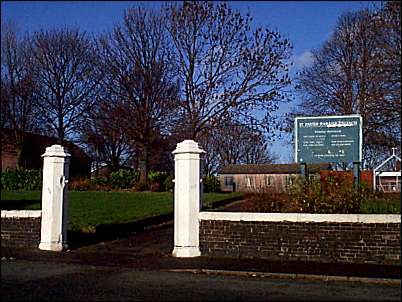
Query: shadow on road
[{"x": 108, "y": 232}]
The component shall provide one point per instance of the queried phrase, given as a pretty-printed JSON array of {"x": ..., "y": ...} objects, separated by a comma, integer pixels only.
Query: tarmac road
[
  {"x": 35, "y": 280},
  {"x": 137, "y": 265}
]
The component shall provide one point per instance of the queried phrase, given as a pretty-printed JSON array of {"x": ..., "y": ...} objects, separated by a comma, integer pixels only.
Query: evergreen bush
[
  {"x": 211, "y": 184},
  {"x": 123, "y": 178},
  {"x": 21, "y": 179},
  {"x": 156, "y": 180}
]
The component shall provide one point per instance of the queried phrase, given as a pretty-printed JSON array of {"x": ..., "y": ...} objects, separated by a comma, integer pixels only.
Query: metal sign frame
[{"x": 326, "y": 118}]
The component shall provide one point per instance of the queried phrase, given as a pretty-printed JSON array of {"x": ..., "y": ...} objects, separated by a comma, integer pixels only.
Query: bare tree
[
  {"x": 387, "y": 29},
  {"x": 136, "y": 61},
  {"x": 103, "y": 135},
  {"x": 65, "y": 63},
  {"x": 350, "y": 74},
  {"x": 18, "y": 86},
  {"x": 227, "y": 71},
  {"x": 234, "y": 144}
]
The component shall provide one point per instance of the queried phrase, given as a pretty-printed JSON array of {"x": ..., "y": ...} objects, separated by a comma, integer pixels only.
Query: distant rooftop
[{"x": 272, "y": 168}]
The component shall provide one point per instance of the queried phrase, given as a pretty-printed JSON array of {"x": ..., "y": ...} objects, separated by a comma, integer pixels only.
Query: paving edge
[{"x": 385, "y": 281}]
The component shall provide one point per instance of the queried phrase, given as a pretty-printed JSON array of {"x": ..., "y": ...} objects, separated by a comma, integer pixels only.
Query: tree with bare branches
[
  {"x": 234, "y": 144},
  {"x": 18, "y": 89},
  {"x": 137, "y": 64},
  {"x": 226, "y": 70},
  {"x": 64, "y": 65},
  {"x": 358, "y": 71},
  {"x": 104, "y": 136}
]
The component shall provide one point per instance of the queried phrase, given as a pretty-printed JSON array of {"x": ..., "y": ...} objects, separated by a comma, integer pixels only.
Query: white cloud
[{"x": 304, "y": 59}]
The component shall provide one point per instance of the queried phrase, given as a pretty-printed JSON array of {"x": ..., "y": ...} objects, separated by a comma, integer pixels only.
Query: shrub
[
  {"x": 338, "y": 196},
  {"x": 382, "y": 203},
  {"x": 87, "y": 184},
  {"x": 155, "y": 187},
  {"x": 21, "y": 179},
  {"x": 154, "y": 176},
  {"x": 156, "y": 180},
  {"x": 123, "y": 178},
  {"x": 211, "y": 184},
  {"x": 140, "y": 187},
  {"x": 79, "y": 184},
  {"x": 264, "y": 201},
  {"x": 168, "y": 184}
]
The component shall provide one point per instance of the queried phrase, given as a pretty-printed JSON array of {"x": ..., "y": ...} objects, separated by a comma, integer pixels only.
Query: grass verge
[{"x": 90, "y": 209}]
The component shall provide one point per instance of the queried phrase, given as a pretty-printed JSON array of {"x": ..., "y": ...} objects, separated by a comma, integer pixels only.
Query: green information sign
[{"x": 328, "y": 139}]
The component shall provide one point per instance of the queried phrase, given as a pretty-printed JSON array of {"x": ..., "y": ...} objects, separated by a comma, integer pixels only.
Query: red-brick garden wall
[
  {"x": 20, "y": 231},
  {"x": 329, "y": 242},
  {"x": 366, "y": 177}
]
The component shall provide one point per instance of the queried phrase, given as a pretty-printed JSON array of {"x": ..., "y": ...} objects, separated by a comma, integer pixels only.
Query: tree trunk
[
  {"x": 21, "y": 148},
  {"x": 22, "y": 154},
  {"x": 143, "y": 166},
  {"x": 19, "y": 156}
]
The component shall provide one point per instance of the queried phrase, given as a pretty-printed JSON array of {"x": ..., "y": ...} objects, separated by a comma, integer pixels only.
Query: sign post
[
  {"x": 356, "y": 175},
  {"x": 303, "y": 170},
  {"x": 329, "y": 139}
]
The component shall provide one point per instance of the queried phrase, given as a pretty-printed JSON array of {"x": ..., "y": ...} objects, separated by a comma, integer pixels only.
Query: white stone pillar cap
[
  {"x": 188, "y": 146},
  {"x": 56, "y": 151}
]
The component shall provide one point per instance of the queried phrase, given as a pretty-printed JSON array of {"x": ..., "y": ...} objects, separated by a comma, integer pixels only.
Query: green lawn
[
  {"x": 90, "y": 209},
  {"x": 382, "y": 204}
]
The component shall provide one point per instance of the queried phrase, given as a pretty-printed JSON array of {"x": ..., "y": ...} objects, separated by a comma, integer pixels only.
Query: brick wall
[
  {"x": 346, "y": 242},
  {"x": 8, "y": 158},
  {"x": 366, "y": 177},
  {"x": 20, "y": 228}
]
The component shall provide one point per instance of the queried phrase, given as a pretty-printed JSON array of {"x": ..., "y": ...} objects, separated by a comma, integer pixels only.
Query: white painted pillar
[
  {"x": 54, "y": 198},
  {"x": 187, "y": 197}
]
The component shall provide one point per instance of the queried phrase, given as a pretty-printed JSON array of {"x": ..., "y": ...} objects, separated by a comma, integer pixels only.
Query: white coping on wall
[
  {"x": 301, "y": 217},
  {"x": 21, "y": 214}
]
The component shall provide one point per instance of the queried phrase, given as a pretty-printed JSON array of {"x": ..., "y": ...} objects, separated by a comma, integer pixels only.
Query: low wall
[
  {"x": 21, "y": 228},
  {"x": 345, "y": 238}
]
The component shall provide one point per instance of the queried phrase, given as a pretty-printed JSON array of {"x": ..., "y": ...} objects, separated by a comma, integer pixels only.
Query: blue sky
[{"x": 306, "y": 23}]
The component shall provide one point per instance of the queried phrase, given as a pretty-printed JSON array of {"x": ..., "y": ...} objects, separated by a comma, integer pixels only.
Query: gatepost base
[
  {"x": 52, "y": 246},
  {"x": 186, "y": 251}
]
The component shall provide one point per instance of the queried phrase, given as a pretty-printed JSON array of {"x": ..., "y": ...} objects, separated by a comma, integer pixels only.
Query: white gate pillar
[
  {"x": 54, "y": 198},
  {"x": 187, "y": 157}
]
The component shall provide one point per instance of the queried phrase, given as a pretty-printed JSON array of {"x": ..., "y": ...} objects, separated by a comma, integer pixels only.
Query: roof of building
[
  {"x": 272, "y": 168},
  {"x": 38, "y": 143},
  {"x": 395, "y": 167}
]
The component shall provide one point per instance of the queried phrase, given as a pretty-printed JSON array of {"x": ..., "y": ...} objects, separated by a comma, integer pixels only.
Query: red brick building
[{"x": 80, "y": 162}]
